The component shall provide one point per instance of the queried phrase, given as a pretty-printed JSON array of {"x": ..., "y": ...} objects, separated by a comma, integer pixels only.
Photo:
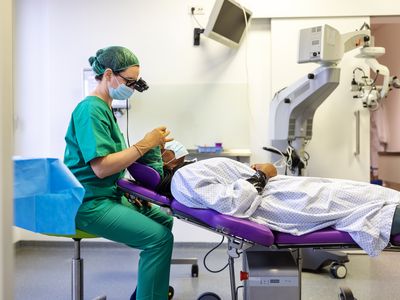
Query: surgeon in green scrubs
[{"x": 97, "y": 155}]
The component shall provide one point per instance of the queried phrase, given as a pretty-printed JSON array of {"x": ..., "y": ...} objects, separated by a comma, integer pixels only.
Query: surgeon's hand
[
  {"x": 268, "y": 169},
  {"x": 156, "y": 137},
  {"x": 137, "y": 202},
  {"x": 142, "y": 203}
]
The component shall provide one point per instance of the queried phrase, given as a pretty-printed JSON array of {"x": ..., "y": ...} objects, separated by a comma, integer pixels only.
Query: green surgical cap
[{"x": 116, "y": 58}]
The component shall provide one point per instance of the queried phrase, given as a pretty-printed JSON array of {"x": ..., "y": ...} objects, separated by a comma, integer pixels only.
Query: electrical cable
[
  {"x": 246, "y": 42},
  {"x": 376, "y": 77},
  {"x": 127, "y": 133},
  {"x": 277, "y": 93},
  {"x": 205, "y": 257},
  {"x": 239, "y": 287},
  {"x": 306, "y": 157},
  {"x": 366, "y": 26},
  {"x": 289, "y": 151},
  {"x": 364, "y": 77},
  {"x": 194, "y": 18},
  {"x": 127, "y": 122},
  {"x": 358, "y": 69},
  {"x": 285, "y": 161}
]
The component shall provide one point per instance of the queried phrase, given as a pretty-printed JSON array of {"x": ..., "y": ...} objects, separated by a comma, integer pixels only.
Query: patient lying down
[{"x": 296, "y": 205}]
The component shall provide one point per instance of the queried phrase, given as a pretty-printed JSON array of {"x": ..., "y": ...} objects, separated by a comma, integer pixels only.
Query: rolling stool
[{"x": 77, "y": 265}]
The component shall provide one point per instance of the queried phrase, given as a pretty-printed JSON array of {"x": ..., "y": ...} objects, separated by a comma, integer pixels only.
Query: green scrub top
[
  {"x": 153, "y": 158},
  {"x": 93, "y": 132}
]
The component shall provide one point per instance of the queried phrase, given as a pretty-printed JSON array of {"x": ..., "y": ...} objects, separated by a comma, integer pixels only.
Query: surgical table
[{"x": 271, "y": 260}]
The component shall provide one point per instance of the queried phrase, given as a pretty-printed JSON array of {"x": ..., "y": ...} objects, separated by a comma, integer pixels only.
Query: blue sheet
[{"x": 46, "y": 196}]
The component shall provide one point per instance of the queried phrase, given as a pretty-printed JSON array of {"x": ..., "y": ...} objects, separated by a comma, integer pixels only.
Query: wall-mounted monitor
[{"x": 227, "y": 22}]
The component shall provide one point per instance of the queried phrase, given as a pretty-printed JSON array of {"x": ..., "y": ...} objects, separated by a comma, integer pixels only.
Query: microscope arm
[
  {"x": 381, "y": 70},
  {"x": 292, "y": 109}
]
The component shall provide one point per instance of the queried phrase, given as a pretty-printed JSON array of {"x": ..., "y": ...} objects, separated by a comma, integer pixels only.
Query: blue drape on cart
[{"x": 46, "y": 196}]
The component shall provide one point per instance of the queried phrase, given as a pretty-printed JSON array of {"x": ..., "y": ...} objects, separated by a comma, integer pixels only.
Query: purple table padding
[
  {"x": 243, "y": 228},
  {"x": 323, "y": 236}
]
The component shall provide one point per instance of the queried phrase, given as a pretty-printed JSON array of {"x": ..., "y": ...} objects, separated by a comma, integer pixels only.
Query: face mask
[
  {"x": 122, "y": 92},
  {"x": 177, "y": 148}
]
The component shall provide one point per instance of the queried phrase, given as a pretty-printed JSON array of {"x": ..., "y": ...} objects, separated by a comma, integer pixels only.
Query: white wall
[
  {"x": 318, "y": 8},
  {"x": 333, "y": 142},
  {"x": 6, "y": 207},
  {"x": 32, "y": 108},
  {"x": 183, "y": 79}
]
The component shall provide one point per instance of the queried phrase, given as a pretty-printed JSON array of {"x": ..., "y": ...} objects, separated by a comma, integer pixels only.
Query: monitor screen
[{"x": 227, "y": 23}]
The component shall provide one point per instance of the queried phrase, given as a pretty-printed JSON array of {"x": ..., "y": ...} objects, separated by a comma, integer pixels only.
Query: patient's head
[{"x": 173, "y": 154}]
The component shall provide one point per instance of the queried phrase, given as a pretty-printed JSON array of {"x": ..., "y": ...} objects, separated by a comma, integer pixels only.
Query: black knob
[
  {"x": 287, "y": 100},
  {"x": 310, "y": 76},
  {"x": 314, "y": 54}
]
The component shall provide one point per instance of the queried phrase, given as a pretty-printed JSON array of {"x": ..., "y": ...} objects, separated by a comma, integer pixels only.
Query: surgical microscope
[{"x": 292, "y": 108}]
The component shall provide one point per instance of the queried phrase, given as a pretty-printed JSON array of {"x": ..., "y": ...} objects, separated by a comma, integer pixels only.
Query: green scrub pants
[{"x": 145, "y": 228}]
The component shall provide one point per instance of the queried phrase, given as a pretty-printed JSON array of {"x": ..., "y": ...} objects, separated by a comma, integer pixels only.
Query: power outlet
[{"x": 196, "y": 10}]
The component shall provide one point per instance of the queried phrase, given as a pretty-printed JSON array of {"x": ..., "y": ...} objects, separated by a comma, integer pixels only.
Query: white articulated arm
[
  {"x": 381, "y": 70},
  {"x": 355, "y": 39},
  {"x": 368, "y": 91},
  {"x": 292, "y": 109}
]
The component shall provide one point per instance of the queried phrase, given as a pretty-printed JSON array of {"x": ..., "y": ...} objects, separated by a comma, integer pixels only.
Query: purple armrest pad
[
  {"x": 145, "y": 175},
  {"x": 243, "y": 228},
  {"x": 132, "y": 187}
]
